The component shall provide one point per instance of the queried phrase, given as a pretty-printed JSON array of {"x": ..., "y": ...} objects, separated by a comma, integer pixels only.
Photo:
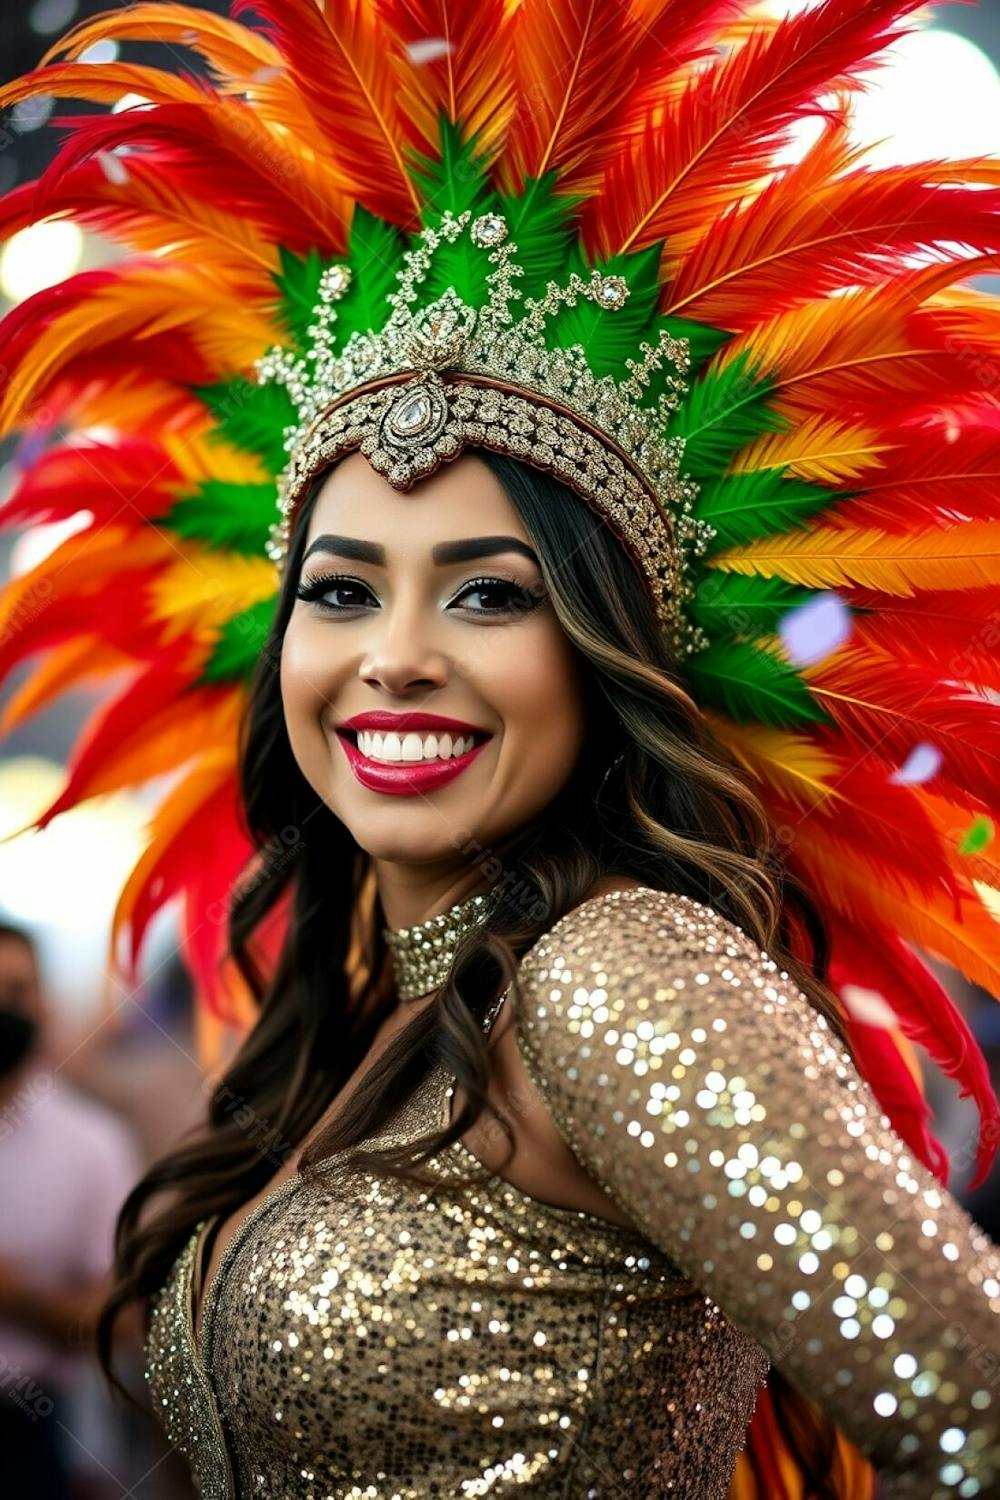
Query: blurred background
[{"x": 97, "y": 1081}]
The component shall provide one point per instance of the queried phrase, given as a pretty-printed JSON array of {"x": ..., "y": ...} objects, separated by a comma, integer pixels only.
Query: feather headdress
[{"x": 835, "y": 432}]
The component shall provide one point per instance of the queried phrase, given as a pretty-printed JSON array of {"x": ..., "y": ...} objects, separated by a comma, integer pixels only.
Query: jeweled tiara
[{"x": 446, "y": 375}]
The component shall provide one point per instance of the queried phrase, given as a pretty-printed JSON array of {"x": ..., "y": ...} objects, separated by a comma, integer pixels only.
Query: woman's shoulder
[
  {"x": 623, "y": 911},
  {"x": 645, "y": 952}
]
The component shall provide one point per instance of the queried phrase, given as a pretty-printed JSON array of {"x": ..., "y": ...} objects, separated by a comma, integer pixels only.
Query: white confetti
[
  {"x": 815, "y": 629},
  {"x": 868, "y": 1006},
  {"x": 113, "y": 167},
  {"x": 428, "y": 49},
  {"x": 920, "y": 765}
]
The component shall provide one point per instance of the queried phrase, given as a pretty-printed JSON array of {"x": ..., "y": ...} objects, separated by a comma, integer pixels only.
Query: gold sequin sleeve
[{"x": 701, "y": 1089}]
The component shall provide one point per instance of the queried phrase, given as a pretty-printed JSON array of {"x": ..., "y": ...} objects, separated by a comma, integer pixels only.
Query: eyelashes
[{"x": 517, "y": 599}]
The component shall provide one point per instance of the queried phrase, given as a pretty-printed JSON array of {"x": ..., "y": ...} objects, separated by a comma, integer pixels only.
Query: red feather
[
  {"x": 955, "y": 649},
  {"x": 884, "y": 707},
  {"x": 471, "y": 83},
  {"x": 683, "y": 163},
  {"x": 240, "y": 174},
  {"x": 123, "y": 737},
  {"x": 873, "y": 819},
  {"x": 209, "y": 796},
  {"x": 818, "y": 228},
  {"x": 574, "y": 60},
  {"x": 337, "y": 56},
  {"x": 144, "y": 206},
  {"x": 130, "y": 479},
  {"x": 878, "y": 959},
  {"x": 80, "y": 588},
  {"x": 927, "y": 479}
]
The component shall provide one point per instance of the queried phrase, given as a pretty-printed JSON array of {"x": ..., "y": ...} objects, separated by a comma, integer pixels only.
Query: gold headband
[{"x": 430, "y": 383}]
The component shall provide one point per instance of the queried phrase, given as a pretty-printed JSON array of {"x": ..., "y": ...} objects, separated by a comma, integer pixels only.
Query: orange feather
[
  {"x": 573, "y": 60},
  {"x": 968, "y": 940},
  {"x": 817, "y": 227},
  {"x": 472, "y": 81},
  {"x": 77, "y": 661},
  {"x": 680, "y": 166},
  {"x": 135, "y": 303},
  {"x": 142, "y": 207},
  {"x": 231, "y": 49},
  {"x": 929, "y": 557},
  {"x": 337, "y": 57},
  {"x": 859, "y": 352}
]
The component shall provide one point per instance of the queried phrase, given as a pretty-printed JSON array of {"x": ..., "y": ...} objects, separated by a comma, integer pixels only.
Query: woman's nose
[{"x": 401, "y": 654}]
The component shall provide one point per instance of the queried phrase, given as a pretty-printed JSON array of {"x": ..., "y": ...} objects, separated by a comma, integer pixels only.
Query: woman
[{"x": 549, "y": 1141}]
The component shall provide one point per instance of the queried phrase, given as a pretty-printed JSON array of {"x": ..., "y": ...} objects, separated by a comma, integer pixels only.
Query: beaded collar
[{"x": 422, "y": 954}]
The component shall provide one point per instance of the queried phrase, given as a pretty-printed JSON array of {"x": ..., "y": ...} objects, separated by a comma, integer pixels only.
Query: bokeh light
[{"x": 38, "y": 257}]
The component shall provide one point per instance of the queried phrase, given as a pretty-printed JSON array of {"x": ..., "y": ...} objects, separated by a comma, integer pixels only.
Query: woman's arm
[{"x": 709, "y": 1099}]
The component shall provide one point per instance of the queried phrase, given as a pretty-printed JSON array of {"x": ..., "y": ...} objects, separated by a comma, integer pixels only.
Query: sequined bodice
[
  {"x": 366, "y": 1337},
  {"x": 362, "y": 1337}
]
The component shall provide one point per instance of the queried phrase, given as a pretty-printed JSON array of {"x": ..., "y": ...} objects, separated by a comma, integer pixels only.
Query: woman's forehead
[{"x": 462, "y": 498}]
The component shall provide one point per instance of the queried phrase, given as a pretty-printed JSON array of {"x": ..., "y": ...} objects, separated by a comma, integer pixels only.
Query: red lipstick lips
[{"x": 407, "y": 778}]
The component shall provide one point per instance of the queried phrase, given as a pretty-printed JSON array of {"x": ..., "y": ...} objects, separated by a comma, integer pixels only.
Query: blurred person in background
[{"x": 66, "y": 1164}]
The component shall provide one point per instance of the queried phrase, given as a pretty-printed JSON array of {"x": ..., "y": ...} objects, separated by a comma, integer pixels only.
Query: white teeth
[{"x": 412, "y": 747}]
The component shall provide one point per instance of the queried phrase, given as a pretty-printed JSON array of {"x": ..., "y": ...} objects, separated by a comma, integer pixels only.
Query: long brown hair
[{"x": 674, "y": 812}]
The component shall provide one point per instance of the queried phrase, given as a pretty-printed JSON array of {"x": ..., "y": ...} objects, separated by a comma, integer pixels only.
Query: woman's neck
[{"x": 422, "y": 953}]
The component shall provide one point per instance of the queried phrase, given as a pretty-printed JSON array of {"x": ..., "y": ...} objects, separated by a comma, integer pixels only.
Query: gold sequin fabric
[{"x": 370, "y": 1338}]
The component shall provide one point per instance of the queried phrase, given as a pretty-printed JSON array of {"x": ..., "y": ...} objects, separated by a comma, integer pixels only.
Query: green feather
[
  {"x": 541, "y": 225},
  {"x": 751, "y": 683},
  {"x": 241, "y": 641},
  {"x": 236, "y": 517},
  {"x": 723, "y": 412},
  {"x": 252, "y": 417},
  {"x": 744, "y": 506},
  {"x": 457, "y": 182},
  {"x": 457, "y": 179},
  {"x": 729, "y": 604},
  {"x": 609, "y": 336},
  {"x": 375, "y": 252},
  {"x": 298, "y": 284}
]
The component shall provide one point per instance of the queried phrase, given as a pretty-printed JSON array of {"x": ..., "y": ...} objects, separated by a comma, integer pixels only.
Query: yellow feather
[
  {"x": 959, "y": 557},
  {"x": 821, "y": 450},
  {"x": 133, "y": 402},
  {"x": 204, "y": 455},
  {"x": 205, "y": 587},
  {"x": 791, "y": 763},
  {"x": 139, "y": 302}
]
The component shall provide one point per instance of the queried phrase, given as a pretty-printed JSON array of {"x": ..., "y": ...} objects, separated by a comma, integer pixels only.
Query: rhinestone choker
[{"x": 422, "y": 954}]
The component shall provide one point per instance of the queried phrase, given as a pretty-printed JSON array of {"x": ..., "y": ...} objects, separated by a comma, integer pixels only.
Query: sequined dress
[{"x": 364, "y": 1337}]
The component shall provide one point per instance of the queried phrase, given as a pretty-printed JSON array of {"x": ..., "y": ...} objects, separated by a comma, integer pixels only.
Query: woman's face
[{"x": 423, "y": 604}]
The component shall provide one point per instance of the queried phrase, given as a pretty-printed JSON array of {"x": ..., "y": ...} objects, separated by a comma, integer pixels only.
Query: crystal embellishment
[
  {"x": 488, "y": 377},
  {"x": 422, "y": 955}
]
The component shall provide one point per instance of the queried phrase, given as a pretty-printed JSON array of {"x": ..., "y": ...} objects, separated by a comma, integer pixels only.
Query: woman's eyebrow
[{"x": 463, "y": 550}]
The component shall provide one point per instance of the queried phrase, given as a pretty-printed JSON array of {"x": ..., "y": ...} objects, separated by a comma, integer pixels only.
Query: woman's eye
[
  {"x": 497, "y": 596},
  {"x": 320, "y": 590},
  {"x": 502, "y": 596}
]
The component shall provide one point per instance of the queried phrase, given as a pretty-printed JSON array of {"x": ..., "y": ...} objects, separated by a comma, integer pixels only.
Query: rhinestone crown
[{"x": 412, "y": 395}]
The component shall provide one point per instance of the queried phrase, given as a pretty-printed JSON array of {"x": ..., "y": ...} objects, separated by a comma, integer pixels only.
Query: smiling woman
[
  {"x": 416, "y": 628},
  {"x": 560, "y": 518}
]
